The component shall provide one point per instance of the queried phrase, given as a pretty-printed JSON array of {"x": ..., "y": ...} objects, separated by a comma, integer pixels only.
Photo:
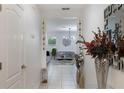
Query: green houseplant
[{"x": 54, "y": 51}]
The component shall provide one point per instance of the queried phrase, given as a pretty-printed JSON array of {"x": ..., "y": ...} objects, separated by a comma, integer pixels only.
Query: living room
[{"x": 61, "y": 35}]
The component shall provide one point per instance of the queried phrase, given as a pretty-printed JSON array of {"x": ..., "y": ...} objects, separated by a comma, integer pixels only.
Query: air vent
[{"x": 65, "y": 8}]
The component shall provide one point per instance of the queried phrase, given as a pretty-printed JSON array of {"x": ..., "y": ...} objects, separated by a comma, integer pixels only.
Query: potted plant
[{"x": 54, "y": 52}]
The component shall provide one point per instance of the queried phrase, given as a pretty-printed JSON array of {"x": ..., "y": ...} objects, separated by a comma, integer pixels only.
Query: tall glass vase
[{"x": 102, "y": 67}]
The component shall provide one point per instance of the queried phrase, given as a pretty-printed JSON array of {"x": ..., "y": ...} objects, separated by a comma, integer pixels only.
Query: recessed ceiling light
[{"x": 66, "y": 8}]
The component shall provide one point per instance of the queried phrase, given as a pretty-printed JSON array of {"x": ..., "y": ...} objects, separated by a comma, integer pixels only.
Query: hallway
[
  {"x": 61, "y": 76},
  {"x": 30, "y": 34}
]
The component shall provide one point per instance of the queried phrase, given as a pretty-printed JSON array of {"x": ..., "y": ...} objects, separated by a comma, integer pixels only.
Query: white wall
[
  {"x": 93, "y": 17},
  {"x": 59, "y": 41}
]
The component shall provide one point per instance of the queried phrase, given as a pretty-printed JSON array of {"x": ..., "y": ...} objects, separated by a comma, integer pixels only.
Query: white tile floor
[{"x": 61, "y": 76}]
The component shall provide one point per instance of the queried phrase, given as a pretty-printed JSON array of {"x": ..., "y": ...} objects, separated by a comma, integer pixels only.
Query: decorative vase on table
[{"x": 102, "y": 68}]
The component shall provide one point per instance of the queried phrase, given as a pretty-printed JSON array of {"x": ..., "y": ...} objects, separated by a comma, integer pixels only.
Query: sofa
[{"x": 65, "y": 55}]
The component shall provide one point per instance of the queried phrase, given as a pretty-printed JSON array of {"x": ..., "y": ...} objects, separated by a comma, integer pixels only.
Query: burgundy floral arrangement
[{"x": 100, "y": 47}]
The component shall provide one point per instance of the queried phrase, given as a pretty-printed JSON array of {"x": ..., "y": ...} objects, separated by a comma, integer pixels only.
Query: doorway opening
[{"x": 61, "y": 37}]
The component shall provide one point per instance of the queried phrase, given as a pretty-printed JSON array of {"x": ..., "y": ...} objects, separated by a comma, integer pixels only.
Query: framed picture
[{"x": 52, "y": 41}]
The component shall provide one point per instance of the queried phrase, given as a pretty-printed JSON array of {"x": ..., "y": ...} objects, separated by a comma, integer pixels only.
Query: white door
[
  {"x": 13, "y": 47},
  {"x": 2, "y": 48}
]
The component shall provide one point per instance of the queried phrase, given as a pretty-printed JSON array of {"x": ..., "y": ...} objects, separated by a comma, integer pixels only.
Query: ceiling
[
  {"x": 54, "y": 10},
  {"x": 61, "y": 24},
  {"x": 58, "y": 20}
]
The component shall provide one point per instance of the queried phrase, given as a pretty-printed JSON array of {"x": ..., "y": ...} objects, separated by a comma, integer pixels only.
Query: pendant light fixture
[{"x": 67, "y": 40}]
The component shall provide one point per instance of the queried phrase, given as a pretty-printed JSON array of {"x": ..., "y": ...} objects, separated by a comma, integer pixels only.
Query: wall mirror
[{"x": 114, "y": 23}]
